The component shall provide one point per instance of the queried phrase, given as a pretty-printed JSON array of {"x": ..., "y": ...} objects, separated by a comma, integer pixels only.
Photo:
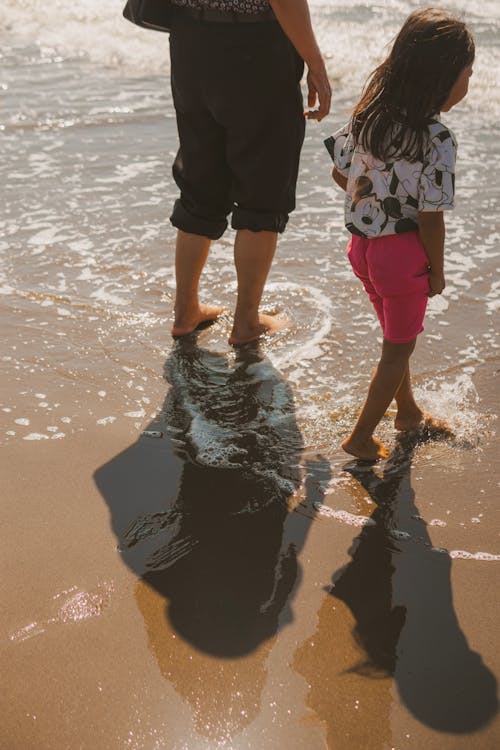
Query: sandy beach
[
  {"x": 190, "y": 561},
  {"x": 154, "y": 602}
]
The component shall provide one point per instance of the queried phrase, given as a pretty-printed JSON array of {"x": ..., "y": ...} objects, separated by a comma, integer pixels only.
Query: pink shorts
[{"x": 394, "y": 270}]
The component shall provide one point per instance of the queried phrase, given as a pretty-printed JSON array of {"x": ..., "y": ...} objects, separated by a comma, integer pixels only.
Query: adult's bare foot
[
  {"x": 188, "y": 322},
  {"x": 370, "y": 449},
  {"x": 246, "y": 334}
]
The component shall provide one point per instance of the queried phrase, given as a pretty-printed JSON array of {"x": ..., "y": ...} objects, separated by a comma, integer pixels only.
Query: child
[{"x": 396, "y": 160}]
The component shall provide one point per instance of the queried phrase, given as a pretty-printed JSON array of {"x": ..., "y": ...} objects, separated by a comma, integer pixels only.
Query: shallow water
[{"x": 87, "y": 247}]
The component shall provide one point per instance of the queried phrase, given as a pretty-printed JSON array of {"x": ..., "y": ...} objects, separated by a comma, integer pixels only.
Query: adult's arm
[
  {"x": 295, "y": 20},
  {"x": 432, "y": 233}
]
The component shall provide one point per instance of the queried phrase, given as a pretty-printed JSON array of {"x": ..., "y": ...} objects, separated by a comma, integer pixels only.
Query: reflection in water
[
  {"x": 395, "y": 595},
  {"x": 200, "y": 515}
]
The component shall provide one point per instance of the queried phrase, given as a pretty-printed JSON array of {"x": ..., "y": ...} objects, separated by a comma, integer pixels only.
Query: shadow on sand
[
  {"x": 199, "y": 514},
  {"x": 398, "y": 587},
  {"x": 389, "y": 620}
]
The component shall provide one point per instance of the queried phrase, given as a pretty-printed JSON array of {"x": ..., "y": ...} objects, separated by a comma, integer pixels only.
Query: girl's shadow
[{"x": 398, "y": 587}]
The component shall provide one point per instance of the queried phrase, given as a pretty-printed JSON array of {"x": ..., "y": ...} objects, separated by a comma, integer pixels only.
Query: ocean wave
[{"x": 352, "y": 39}]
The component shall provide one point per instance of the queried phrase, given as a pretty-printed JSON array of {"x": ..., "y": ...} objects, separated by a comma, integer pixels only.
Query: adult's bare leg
[
  {"x": 253, "y": 256},
  {"x": 191, "y": 252}
]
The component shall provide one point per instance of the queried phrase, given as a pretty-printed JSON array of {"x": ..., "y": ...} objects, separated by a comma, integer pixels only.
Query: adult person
[{"x": 236, "y": 67}]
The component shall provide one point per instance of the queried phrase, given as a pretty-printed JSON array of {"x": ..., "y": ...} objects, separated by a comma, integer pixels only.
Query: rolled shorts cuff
[
  {"x": 186, "y": 221},
  {"x": 257, "y": 221}
]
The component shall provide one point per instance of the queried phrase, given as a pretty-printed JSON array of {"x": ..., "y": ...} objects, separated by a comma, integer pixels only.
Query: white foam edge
[{"x": 309, "y": 350}]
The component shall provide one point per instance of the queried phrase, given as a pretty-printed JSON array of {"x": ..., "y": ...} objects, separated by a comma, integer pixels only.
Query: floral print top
[{"x": 385, "y": 197}]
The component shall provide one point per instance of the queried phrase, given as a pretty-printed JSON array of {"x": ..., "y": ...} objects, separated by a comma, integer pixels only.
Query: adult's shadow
[
  {"x": 398, "y": 587},
  {"x": 200, "y": 514}
]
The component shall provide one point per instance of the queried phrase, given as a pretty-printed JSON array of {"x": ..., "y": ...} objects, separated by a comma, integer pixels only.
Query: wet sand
[{"x": 151, "y": 601}]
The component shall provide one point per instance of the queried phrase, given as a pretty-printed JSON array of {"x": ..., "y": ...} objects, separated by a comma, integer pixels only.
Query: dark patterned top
[{"x": 231, "y": 6}]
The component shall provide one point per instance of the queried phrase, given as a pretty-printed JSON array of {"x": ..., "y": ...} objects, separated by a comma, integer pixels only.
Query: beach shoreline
[{"x": 231, "y": 581}]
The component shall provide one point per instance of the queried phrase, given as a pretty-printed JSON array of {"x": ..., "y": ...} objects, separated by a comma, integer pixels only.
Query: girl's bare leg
[
  {"x": 385, "y": 382},
  {"x": 409, "y": 415},
  {"x": 253, "y": 255},
  {"x": 191, "y": 252}
]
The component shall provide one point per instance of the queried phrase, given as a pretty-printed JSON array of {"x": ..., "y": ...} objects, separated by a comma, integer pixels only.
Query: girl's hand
[
  {"x": 436, "y": 283},
  {"x": 432, "y": 232}
]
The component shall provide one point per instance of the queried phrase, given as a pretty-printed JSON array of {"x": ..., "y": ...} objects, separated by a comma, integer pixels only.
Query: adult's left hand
[{"x": 319, "y": 93}]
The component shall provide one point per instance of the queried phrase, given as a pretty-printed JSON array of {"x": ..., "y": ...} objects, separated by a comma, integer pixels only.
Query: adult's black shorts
[{"x": 237, "y": 97}]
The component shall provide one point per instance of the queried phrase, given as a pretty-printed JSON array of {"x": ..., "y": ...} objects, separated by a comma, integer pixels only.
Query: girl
[{"x": 396, "y": 160}]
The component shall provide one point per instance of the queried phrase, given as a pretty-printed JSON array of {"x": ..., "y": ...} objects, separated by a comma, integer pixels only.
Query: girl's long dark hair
[{"x": 412, "y": 84}]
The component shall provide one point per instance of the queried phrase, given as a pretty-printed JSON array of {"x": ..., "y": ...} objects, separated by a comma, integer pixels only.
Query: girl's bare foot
[
  {"x": 242, "y": 334},
  {"x": 369, "y": 449},
  {"x": 424, "y": 423},
  {"x": 188, "y": 322},
  {"x": 409, "y": 419},
  {"x": 436, "y": 428}
]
